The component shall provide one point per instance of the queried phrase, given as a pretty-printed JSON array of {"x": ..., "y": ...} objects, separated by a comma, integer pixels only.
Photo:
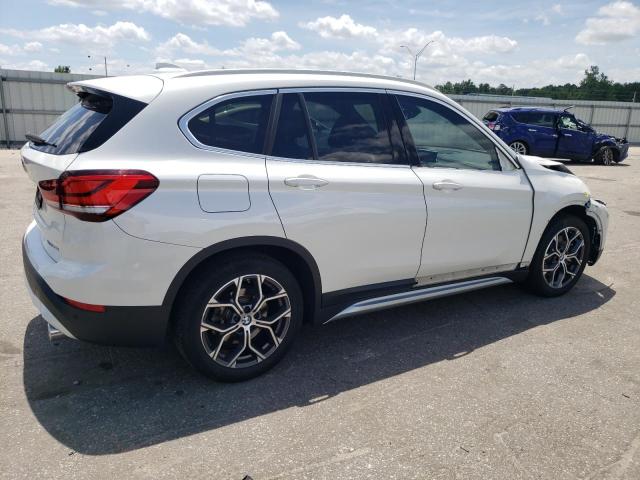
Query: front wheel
[
  {"x": 519, "y": 147},
  {"x": 606, "y": 156},
  {"x": 561, "y": 257},
  {"x": 237, "y": 319}
]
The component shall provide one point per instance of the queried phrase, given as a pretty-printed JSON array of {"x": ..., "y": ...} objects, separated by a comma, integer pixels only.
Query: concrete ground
[{"x": 495, "y": 384}]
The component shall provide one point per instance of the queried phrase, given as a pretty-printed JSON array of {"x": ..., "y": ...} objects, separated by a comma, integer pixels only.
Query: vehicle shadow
[{"x": 99, "y": 400}]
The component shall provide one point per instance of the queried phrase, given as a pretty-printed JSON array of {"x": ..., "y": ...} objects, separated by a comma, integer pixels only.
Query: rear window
[
  {"x": 89, "y": 123},
  {"x": 491, "y": 117}
]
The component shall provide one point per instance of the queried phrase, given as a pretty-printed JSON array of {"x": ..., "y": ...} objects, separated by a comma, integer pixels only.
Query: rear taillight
[
  {"x": 97, "y": 195},
  {"x": 86, "y": 306}
]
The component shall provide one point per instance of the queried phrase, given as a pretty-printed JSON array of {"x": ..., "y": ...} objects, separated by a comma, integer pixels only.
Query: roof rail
[{"x": 227, "y": 71}]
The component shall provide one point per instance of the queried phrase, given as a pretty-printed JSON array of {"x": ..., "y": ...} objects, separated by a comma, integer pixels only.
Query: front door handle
[
  {"x": 305, "y": 182},
  {"x": 446, "y": 185},
  {"x": 533, "y": 130}
]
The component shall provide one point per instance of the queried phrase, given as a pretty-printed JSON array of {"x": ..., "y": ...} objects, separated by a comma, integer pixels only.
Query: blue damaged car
[{"x": 548, "y": 132}]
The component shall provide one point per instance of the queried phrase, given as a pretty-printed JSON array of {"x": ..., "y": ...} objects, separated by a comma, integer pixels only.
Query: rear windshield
[
  {"x": 491, "y": 117},
  {"x": 88, "y": 124}
]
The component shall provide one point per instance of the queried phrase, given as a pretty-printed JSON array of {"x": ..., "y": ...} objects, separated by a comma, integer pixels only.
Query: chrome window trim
[
  {"x": 330, "y": 162},
  {"x": 331, "y": 89},
  {"x": 473, "y": 120},
  {"x": 183, "y": 122}
]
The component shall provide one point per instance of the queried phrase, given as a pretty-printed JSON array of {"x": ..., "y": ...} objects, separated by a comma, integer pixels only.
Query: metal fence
[{"x": 31, "y": 101}]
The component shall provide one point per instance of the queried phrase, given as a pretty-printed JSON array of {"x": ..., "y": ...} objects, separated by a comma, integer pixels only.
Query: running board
[{"x": 418, "y": 295}]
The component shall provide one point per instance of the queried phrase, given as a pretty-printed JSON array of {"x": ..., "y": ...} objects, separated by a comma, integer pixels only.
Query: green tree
[{"x": 62, "y": 69}]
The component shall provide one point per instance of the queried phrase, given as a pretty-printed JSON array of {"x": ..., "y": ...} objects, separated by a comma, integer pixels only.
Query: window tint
[
  {"x": 443, "y": 138},
  {"x": 89, "y": 123},
  {"x": 236, "y": 124},
  {"x": 567, "y": 121},
  {"x": 491, "y": 117},
  {"x": 292, "y": 136},
  {"x": 349, "y": 127},
  {"x": 542, "y": 119}
]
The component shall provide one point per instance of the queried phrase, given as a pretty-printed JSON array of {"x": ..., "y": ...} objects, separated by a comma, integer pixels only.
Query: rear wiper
[{"x": 37, "y": 140}]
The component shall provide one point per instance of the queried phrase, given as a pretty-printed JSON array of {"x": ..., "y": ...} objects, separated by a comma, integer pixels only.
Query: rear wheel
[
  {"x": 606, "y": 156},
  {"x": 237, "y": 320},
  {"x": 561, "y": 257},
  {"x": 519, "y": 147}
]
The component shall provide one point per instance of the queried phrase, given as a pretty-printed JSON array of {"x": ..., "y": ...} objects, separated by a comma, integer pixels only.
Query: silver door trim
[{"x": 428, "y": 293}]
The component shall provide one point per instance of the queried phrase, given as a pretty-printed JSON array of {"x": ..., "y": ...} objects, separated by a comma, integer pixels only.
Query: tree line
[{"x": 595, "y": 85}]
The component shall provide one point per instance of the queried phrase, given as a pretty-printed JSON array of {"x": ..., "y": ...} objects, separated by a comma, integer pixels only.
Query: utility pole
[
  {"x": 416, "y": 56},
  {"x": 106, "y": 74}
]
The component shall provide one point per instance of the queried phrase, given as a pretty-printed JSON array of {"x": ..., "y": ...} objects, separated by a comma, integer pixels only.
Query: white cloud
[
  {"x": 342, "y": 27},
  {"x": 615, "y": 22},
  {"x": 83, "y": 35},
  {"x": 30, "y": 65},
  {"x": 32, "y": 47},
  {"x": 9, "y": 49},
  {"x": 249, "y": 48},
  {"x": 557, "y": 8},
  {"x": 235, "y": 13}
]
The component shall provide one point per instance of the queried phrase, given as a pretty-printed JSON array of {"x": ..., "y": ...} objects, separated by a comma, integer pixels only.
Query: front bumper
[
  {"x": 117, "y": 326},
  {"x": 623, "y": 150},
  {"x": 598, "y": 211}
]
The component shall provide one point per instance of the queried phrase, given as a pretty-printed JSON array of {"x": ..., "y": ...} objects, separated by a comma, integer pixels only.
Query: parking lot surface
[{"x": 494, "y": 384}]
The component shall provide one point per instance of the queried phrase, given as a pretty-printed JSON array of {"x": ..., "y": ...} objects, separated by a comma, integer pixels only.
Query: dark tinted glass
[
  {"x": 443, "y": 138},
  {"x": 76, "y": 125},
  {"x": 542, "y": 119},
  {"x": 292, "y": 136},
  {"x": 491, "y": 117},
  {"x": 349, "y": 127},
  {"x": 236, "y": 124}
]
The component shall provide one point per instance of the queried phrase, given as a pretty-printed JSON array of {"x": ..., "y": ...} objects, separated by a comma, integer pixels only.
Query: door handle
[
  {"x": 567, "y": 135},
  {"x": 305, "y": 182},
  {"x": 446, "y": 185},
  {"x": 533, "y": 130}
]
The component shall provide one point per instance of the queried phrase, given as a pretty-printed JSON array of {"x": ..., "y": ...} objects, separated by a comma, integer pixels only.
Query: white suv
[{"x": 226, "y": 208}]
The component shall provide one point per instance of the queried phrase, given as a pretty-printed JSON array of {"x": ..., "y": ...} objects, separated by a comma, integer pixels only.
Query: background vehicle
[
  {"x": 554, "y": 133},
  {"x": 225, "y": 208}
]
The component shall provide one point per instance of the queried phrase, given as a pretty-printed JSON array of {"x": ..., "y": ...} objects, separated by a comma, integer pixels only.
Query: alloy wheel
[
  {"x": 245, "y": 321},
  {"x": 563, "y": 257},
  {"x": 519, "y": 148},
  {"x": 607, "y": 156}
]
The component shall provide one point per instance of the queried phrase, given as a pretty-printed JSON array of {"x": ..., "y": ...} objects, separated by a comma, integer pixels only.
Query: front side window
[
  {"x": 567, "y": 121},
  {"x": 292, "y": 136},
  {"x": 349, "y": 127},
  {"x": 443, "y": 138},
  {"x": 236, "y": 124}
]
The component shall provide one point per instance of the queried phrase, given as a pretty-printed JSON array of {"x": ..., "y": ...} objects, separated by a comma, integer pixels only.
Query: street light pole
[
  {"x": 106, "y": 74},
  {"x": 416, "y": 56}
]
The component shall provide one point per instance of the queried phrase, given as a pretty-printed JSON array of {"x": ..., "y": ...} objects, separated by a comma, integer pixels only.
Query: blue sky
[{"x": 516, "y": 43}]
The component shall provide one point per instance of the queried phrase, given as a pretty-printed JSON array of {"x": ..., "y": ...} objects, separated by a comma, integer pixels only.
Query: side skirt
[{"x": 420, "y": 294}]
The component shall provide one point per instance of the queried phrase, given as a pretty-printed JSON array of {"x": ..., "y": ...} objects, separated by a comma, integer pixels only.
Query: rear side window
[
  {"x": 236, "y": 124},
  {"x": 89, "y": 123},
  {"x": 292, "y": 136},
  {"x": 541, "y": 119},
  {"x": 349, "y": 127}
]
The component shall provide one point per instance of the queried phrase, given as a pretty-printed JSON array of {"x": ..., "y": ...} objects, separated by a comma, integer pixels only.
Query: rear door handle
[
  {"x": 533, "y": 130},
  {"x": 446, "y": 185},
  {"x": 305, "y": 182}
]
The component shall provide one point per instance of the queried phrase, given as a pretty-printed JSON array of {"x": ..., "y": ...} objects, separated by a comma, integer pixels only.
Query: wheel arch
[
  {"x": 526, "y": 143},
  {"x": 293, "y": 255},
  {"x": 580, "y": 211}
]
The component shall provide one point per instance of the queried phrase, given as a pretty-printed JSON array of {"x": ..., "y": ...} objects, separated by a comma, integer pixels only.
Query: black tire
[
  {"x": 606, "y": 156},
  {"x": 536, "y": 280},
  {"x": 199, "y": 291}
]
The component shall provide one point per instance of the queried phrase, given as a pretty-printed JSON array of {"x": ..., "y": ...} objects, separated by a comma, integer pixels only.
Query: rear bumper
[{"x": 118, "y": 326}]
